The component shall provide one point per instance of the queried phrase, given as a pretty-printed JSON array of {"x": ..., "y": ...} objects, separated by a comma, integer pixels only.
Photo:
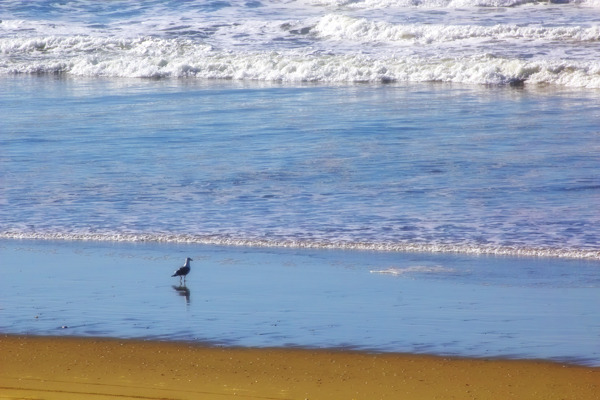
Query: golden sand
[{"x": 84, "y": 368}]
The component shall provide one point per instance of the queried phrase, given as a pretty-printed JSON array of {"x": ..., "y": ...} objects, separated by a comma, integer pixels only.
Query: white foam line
[
  {"x": 495, "y": 250},
  {"x": 449, "y": 4},
  {"x": 342, "y": 27},
  {"x": 159, "y": 58}
]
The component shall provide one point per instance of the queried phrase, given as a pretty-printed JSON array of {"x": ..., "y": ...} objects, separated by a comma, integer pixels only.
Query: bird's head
[{"x": 188, "y": 259}]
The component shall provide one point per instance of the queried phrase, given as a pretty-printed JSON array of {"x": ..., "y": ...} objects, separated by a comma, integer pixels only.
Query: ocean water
[
  {"x": 428, "y": 126},
  {"x": 424, "y": 167},
  {"x": 387, "y": 132}
]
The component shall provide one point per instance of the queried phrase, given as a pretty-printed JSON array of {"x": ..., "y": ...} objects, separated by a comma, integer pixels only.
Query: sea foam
[
  {"x": 175, "y": 58},
  {"x": 218, "y": 240},
  {"x": 415, "y": 269},
  {"x": 342, "y": 41},
  {"x": 379, "y": 4},
  {"x": 341, "y": 27}
]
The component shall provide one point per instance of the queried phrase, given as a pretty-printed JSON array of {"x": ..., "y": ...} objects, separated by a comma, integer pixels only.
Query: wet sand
[{"x": 70, "y": 368}]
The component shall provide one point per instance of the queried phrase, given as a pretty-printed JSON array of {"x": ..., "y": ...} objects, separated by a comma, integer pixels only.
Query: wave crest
[
  {"x": 340, "y": 27},
  {"x": 171, "y": 58}
]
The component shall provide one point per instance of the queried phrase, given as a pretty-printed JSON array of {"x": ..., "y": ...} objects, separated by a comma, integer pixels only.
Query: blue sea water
[
  {"x": 332, "y": 128},
  {"x": 463, "y": 127},
  {"x": 424, "y": 167}
]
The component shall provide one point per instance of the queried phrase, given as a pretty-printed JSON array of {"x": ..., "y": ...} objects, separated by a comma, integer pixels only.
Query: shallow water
[
  {"x": 479, "y": 306},
  {"x": 390, "y": 167}
]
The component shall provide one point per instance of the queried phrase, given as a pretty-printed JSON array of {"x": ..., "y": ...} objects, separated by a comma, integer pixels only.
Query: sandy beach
[{"x": 69, "y": 368}]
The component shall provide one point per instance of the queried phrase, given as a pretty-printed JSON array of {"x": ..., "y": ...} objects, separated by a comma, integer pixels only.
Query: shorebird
[{"x": 183, "y": 271}]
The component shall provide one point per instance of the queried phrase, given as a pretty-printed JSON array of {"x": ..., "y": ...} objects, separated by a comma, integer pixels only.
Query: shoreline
[
  {"x": 497, "y": 250},
  {"x": 64, "y": 368},
  {"x": 484, "y": 306}
]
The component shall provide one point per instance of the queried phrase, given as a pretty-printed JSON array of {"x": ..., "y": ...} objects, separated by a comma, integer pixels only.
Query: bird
[{"x": 184, "y": 270}]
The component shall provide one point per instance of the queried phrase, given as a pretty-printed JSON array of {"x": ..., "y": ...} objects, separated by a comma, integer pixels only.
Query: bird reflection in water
[{"x": 183, "y": 291}]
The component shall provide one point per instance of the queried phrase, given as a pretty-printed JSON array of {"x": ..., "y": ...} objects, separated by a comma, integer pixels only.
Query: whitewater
[{"x": 475, "y": 42}]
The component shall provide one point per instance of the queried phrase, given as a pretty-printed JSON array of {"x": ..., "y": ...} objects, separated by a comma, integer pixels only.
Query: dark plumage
[{"x": 183, "y": 271}]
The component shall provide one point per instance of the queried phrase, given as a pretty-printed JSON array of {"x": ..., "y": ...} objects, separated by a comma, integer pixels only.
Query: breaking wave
[
  {"x": 341, "y": 27},
  {"x": 176, "y": 58}
]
